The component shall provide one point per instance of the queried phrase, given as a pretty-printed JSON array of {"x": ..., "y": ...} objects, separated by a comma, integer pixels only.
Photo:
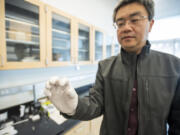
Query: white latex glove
[{"x": 62, "y": 95}]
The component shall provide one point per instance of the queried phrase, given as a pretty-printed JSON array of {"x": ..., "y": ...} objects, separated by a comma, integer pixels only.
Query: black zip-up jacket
[{"x": 158, "y": 78}]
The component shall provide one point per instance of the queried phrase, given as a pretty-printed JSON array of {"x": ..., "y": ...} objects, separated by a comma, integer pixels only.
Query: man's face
[{"x": 133, "y": 27}]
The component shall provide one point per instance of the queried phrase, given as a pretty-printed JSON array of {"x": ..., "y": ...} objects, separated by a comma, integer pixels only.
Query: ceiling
[{"x": 166, "y": 8}]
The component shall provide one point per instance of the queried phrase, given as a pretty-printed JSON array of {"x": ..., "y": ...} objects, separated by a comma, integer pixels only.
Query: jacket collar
[{"x": 130, "y": 58}]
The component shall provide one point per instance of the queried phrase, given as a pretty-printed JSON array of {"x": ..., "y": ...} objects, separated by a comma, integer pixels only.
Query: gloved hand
[{"x": 62, "y": 95}]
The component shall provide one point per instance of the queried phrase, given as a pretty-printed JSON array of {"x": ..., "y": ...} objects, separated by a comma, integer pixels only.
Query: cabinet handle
[
  {"x": 46, "y": 61},
  {"x": 73, "y": 60},
  {"x": 2, "y": 61},
  {"x": 91, "y": 60},
  {"x": 46, "y": 9}
]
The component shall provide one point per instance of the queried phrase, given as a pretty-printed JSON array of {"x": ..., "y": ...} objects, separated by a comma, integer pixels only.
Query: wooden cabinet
[
  {"x": 60, "y": 37},
  {"x": 22, "y": 34},
  {"x": 91, "y": 127},
  {"x": 83, "y": 128},
  {"x": 99, "y": 45},
  {"x": 116, "y": 49},
  {"x": 35, "y": 35},
  {"x": 108, "y": 45},
  {"x": 95, "y": 126},
  {"x": 84, "y": 45},
  {"x": 115, "y": 46}
]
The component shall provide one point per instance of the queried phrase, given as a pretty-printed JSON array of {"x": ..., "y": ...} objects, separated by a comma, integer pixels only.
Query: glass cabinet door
[
  {"x": 98, "y": 45},
  {"x": 83, "y": 43},
  {"x": 22, "y": 31},
  {"x": 177, "y": 48},
  {"x": 116, "y": 49},
  {"x": 108, "y": 46},
  {"x": 61, "y": 39}
]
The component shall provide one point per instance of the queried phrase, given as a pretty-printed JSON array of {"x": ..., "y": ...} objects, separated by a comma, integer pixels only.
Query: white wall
[
  {"x": 96, "y": 12},
  {"x": 167, "y": 28}
]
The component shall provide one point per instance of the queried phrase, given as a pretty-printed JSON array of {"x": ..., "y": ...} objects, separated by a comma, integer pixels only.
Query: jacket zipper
[{"x": 147, "y": 99}]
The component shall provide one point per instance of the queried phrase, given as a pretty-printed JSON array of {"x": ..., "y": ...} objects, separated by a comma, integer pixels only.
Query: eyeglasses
[{"x": 132, "y": 21}]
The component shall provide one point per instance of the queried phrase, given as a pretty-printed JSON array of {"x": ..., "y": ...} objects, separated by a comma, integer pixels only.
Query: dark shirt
[{"x": 133, "y": 112}]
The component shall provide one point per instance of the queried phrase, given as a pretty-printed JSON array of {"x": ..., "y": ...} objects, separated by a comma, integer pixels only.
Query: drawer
[{"x": 82, "y": 128}]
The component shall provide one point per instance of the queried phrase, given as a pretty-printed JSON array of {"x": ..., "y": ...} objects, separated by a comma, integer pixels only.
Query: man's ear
[{"x": 151, "y": 24}]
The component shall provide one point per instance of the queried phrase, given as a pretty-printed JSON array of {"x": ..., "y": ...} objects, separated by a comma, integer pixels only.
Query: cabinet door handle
[
  {"x": 46, "y": 61},
  {"x": 2, "y": 61}
]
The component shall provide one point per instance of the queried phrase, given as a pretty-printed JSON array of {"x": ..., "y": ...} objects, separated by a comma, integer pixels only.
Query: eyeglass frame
[{"x": 130, "y": 20}]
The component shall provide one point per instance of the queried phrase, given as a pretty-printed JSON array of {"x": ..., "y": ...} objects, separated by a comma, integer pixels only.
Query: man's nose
[{"x": 127, "y": 27}]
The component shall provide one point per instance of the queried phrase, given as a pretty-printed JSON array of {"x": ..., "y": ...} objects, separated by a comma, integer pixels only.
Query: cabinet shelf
[
  {"x": 83, "y": 50},
  {"x": 61, "y": 32},
  {"x": 22, "y": 42},
  {"x": 83, "y": 38},
  {"x": 17, "y": 32},
  {"x": 17, "y": 26},
  {"x": 21, "y": 21},
  {"x": 61, "y": 48},
  {"x": 97, "y": 43},
  {"x": 60, "y": 39}
]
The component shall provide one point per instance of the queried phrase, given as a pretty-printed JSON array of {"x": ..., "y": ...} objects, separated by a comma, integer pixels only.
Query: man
[{"x": 138, "y": 91}]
